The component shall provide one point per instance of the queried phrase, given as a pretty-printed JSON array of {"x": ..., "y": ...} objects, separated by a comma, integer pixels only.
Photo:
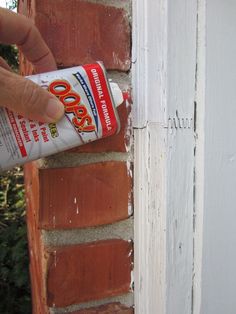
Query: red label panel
[
  {"x": 102, "y": 99},
  {"x": 17, "y": 133}
]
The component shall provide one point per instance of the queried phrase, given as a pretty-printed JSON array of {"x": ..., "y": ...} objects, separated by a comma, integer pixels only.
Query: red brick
[
  {"x": 89, "y": 271},
  {"x": 35, "y": 244},
  {"x": 88, "y": 195},
  {"x": 112, "y": 308},
  {"x": 115, "y": 143},
  {"x": 80, "y": 32},
  {"x": 26, "y": 7}
]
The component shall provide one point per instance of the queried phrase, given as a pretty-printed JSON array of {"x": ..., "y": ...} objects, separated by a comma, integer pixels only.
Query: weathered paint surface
[
  {"x": 164, "y": 57},
  {"x": 185, "y": 156},
  {"x": 216, "y": 272}
]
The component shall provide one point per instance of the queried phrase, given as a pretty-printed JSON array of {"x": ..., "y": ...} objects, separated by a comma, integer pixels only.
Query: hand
[{"x": 16, "y": 92}]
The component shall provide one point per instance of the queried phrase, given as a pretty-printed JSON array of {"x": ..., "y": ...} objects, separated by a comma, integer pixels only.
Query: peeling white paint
[
  {"x": 55, "y": 258},
  {"x": 130, "y": 205},
  {"x": 130, "y": 252},
  {"x": 77, "y": 206},
  {"x": 130, "y": 199},
  {"x": 129, "y": 130},
  {"x": 129, "y": 168},
  {"x": 54, "y": 221},
  {"x": 131, "y": 285}
]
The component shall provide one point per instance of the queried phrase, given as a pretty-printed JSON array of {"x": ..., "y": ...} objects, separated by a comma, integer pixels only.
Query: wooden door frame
[{"x": 164, "y": 70}]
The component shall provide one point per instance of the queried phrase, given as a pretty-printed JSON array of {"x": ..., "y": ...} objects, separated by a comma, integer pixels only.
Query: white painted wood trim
[
  {"x": 149, "y": 50},
  {"x": 149, "y": 233},
  {"x": 199, "y": 156},
  {"x": 164, "y": 61},
  {"x": 148, "y": 238},
  {"x": 139, "y": 62},
  {"x": 215, "y": 236}
]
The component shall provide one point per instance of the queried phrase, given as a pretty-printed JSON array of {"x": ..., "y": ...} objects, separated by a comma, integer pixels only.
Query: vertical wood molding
[
  {"x": 164, "y": 61},
  {"x": 149, "y": 57},
  {"x": 199, "y": 156},
  {"x": 149, "y": 222},
  {"x": 215, "y": 237}
]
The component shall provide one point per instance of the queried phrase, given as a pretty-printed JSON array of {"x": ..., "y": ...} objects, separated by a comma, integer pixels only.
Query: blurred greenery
[
  {"x": 14, "y": 261},
  {"x": 10, "y": 54},
  {"x": 11, "y": 4},
  {"x": 15, "y": 295}
]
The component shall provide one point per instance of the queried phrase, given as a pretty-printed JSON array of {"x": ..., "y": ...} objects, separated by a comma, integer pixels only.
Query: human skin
[{"x": 16, "y": 92}]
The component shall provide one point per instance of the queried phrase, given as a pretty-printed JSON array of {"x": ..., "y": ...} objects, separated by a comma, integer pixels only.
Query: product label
[{"x": 89, "y": 115}]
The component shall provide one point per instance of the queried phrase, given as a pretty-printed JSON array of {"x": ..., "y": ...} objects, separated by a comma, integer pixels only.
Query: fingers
[
  {"x": 17, "y": 29},
  {"x": 28, "y": 99},
  {"x": 4, "y": 64},
  {"x": 20, "y": 94}
]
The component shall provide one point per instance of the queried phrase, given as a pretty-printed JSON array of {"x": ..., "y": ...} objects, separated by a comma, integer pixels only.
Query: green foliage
[
  {"x": 10, "y": 54},
  {"x": 11, "y": 4},
  {"x": 14, "y": 261}
]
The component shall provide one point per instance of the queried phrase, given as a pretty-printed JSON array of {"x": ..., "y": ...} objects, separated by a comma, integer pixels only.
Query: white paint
[
  {"x": 163, "y": 84},
  {"x": 54, "y": 221},
  {"x": 131, "y": 285},
  {"x": 149, "y": 223},
  {"x": 149, "y": 61},
  {"x": 128, "y": 131},
  {"x": 55, "y": 258},
  {"x": 130, "y": 204},
  {"x": 199, "y": 156},
  {"x": 215, "y": 258},
  {"x": 164, "y": 60},
  {"x": 3, "y": 3},
  {"x": 130, "y": 196}
]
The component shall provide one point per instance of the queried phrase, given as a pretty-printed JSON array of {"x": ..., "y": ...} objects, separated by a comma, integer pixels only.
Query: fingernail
[{"x": 54, "y": 110}]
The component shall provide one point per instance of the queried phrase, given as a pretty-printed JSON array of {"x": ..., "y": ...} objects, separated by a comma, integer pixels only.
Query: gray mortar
[
  {"x": 120, "y": 230},
  {"x": 65, "y": 159},
  {"x": 122, "y": 4},
  {"x": 126, "y": 299}
]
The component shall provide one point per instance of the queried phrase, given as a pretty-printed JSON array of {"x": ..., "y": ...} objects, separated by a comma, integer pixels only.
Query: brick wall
[{"x": 79, "y": 203}]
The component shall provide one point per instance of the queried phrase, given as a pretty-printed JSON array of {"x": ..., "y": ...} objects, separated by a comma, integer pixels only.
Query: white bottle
[{"x": 90, "y": 113}]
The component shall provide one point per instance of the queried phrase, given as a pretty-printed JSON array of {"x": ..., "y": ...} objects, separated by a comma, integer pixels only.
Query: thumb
[{"x": 28, "y": 99}]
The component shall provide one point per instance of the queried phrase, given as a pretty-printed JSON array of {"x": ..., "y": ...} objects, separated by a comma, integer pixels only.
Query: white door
[
  {"x": 184, "y": 77},
  {"x": 215, "y": 284}
]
